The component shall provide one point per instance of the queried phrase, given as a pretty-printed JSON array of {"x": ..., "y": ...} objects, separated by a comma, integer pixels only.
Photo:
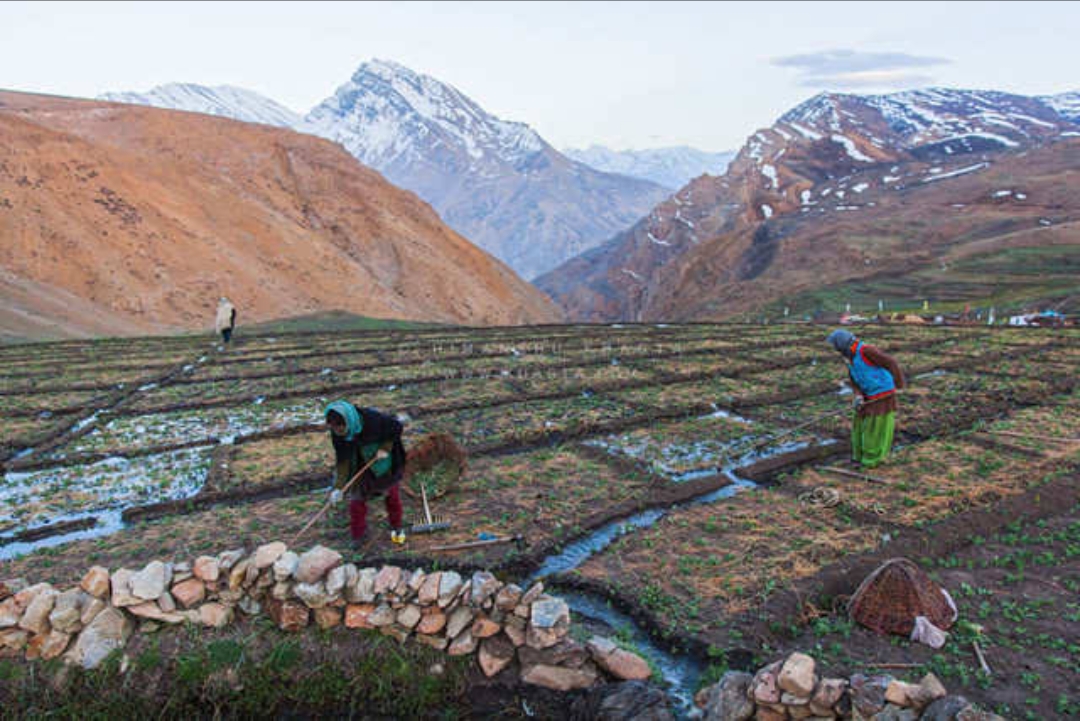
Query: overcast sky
[{"x": 621, "y": 74}]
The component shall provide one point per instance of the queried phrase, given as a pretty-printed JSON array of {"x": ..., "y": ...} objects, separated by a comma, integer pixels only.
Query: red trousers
[{"x": 358, "y": 512}]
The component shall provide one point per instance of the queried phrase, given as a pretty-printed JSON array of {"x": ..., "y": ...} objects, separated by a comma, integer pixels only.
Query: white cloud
[{"x": 845, "y": 68}]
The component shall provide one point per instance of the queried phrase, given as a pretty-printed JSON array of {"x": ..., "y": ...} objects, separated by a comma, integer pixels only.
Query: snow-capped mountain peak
[
  {"x": 908, "y": 119},
  {"x": 223, "y": 100},
  {"x": 388, "y": 112},
  {"x": 1067, "y": 105}
]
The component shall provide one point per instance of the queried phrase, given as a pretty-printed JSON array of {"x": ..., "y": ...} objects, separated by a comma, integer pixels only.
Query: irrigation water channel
[{"x": 681, "y": 673}]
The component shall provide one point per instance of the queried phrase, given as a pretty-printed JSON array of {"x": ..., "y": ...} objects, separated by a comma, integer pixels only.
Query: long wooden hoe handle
[{"x": 326, "y": 506}]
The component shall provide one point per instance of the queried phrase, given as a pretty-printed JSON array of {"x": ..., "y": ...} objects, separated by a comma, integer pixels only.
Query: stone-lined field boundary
[
  {"x": 792, "y": 689},
  {"x": 477, "y": 615}
]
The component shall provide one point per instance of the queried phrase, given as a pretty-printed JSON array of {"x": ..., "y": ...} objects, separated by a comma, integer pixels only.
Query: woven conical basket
[{"x": 890, "y": 598}]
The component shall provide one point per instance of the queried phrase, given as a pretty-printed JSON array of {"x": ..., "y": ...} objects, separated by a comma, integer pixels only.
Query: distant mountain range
[
  {"x": 496, "y": 182},
  {"x": 224, "y": 101},
  {"x": 670, "y": 167},
  {"x": 895, "y": 197},
  {"x": 126, "y": 219}
]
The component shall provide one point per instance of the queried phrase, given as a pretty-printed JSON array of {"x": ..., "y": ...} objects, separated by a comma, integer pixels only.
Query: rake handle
[{"x": 326, "y": 506}]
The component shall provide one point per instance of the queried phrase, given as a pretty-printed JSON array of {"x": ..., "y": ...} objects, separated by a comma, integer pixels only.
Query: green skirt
[{"x": 871, "y": 438}]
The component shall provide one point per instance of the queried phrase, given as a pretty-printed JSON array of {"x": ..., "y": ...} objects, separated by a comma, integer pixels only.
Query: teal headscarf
[{"x": 353, "y": 422}]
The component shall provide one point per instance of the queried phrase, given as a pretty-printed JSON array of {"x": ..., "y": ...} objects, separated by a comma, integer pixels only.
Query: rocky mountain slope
[
  {"x": 147, "y": 216},
  {"x": 670, "y": 167},
  {"x": 893, "y": 197},
  {"x": 496, "y": 182}
]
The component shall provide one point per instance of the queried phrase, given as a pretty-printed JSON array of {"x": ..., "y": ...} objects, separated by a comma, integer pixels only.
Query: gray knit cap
[{"x": 841, "y": 340}]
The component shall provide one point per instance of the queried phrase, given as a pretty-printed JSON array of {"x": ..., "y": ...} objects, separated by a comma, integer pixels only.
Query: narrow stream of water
[{"x": 680, "y": 673}]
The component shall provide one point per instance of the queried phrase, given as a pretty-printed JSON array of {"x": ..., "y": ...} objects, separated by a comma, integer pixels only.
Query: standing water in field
[{"x": 36, "y": 499}]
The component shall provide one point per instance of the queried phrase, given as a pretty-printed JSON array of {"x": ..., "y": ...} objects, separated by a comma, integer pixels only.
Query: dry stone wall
[
  {"x": 476, "y": 615},
  {"x": 792, "y": 689}
]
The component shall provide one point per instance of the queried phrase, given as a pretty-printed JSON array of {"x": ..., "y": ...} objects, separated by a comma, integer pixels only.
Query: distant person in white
[{"x": 226, "y": 319}]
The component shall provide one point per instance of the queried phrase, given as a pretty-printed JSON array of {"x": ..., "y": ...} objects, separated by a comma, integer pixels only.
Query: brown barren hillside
[{"x": 144, "y": 217}]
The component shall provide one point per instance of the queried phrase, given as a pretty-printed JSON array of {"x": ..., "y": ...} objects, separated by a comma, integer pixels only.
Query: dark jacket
[{"x": 380, "y": 429}]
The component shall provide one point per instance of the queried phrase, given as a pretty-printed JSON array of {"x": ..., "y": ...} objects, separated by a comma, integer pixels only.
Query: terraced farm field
[{"x": 672, "y": 471}]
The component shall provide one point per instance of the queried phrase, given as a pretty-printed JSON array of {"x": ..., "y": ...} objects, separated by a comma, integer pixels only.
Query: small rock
[
  {"x": 215, "y": 615},
  {"x": 356, "y": 615},
  {"x": 36, "y": 617},
  {"x": 110, "y": 630},
  {"x": 339, "y": 578},
  {"x": 508, "y": 597},
  {"x": 14, "y": 639},
  {"x": 549, "y": 623},
  {"x": 945, "y": 708},
  {"x": 285, "y": 566},
  {"x": 484, "y": 627},
  {"x": 267, "y": 555},
  {"x": 567, "y": 653},
  {"x": 432, "y": 621},
  {"x": 625, "y": 665},
  {"x": 48, "y": 646},
  {"x": 929, "y": 690},
  {"x": 288, "y": 615},
  {"x": 626, "y": 701},
  {"x": 121, "y": 589},
  {"x": 483, "y": 586},
  {"x": 766, "y": 713},
  {"x": 409, "y": 616},
  {"x": 559, "y": 679},
  {"x": 238, "y": 574},
  {"x": 387, "y": 579},
  {"x": 228, "y": 559},
  {"x": 496, "y": 653},
  {"x": 428, "y": 593},
  {"x": 91, "y": 609},
  {"x": 316, "y": 563},
  {"x": 382, "y": 616},
  {"x": 249, "y": 606},
  {"x": 514, "y": 628},
  {"x": 363, "y": 590},
  {"x": 533, "y": 593},
  {"x": 797, "y": 675},
  {"x": 827, "y": 695},
  {"x": 728, "y": 699},
  {"x": 463, "y": 644},
  {"x": 460, "y": 619},
  {"x": 67, "y": 612},
  {"x": 449, "y": 585},
  {"x": 765, "y": 689},
  {"x": 96, "y": 582},
  {"x": 10, "y": 612},
  {"x": 328, "y": 617},
  {"x": 10, "y": 586},
  {"x": 313, "y": 595},
  {"x": 868, "y": 693},
  {"x": 150, "y": 610},
  {"x": 190, "y": 592},
  {"x": 206, "y": 568}
]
